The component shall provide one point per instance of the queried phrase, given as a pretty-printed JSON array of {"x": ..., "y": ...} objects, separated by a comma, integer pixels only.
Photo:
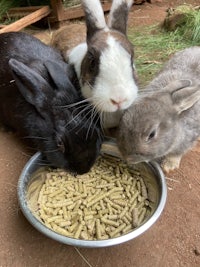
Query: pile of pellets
[{"x": 107, "y": 202}]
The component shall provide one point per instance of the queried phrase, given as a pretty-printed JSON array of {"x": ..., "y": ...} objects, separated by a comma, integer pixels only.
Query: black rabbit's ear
[
  {"x": 59, "y": 74},
  {"x": 94, "y": 17},
  {"x": 31, "y": 85},
  {"x": 118, "y": 15}
]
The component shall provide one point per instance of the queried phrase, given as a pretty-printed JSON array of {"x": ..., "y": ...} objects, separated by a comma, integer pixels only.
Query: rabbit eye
[
  {"x": 92, "y": 64},
  {"x": 151, "y": 135},
  {"x": 93, "y": 60},
  {"x": 61, "y": 146}
]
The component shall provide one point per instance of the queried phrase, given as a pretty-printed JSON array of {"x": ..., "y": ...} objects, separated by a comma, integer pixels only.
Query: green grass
[
  {"x": 153, "y": 47},
  {"x": 189, "y": 26},
  {"x": 4, "y": 6}
]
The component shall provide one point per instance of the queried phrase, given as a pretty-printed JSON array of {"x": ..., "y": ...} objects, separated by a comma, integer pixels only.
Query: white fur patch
[
  {"x": 76, "y": 55},
  {"x": 96, "y": 11},
  {"x": 115, "y": 83}
]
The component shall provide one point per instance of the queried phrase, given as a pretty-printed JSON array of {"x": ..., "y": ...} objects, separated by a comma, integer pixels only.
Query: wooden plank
[
  {"x": 75, "y": 12},
  {"x": 17, "y": 12},
  {"x": 27, "y": 20},
  {"x": 57, "y": 9},
  {"x": 2, "y": 26},
  {"x": 28, "y": 9}
]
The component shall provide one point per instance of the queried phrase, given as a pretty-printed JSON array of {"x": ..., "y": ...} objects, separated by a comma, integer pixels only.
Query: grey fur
[{"x": 164, "y": 122}]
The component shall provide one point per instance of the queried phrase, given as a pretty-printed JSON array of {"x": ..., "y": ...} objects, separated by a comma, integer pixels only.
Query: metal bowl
[{"x": 153, "y": 173}]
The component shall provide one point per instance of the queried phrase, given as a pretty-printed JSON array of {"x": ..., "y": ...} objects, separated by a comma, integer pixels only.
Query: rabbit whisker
[
  {"x": 77, "y": 115},
  {"x": 50, "y": 150},
  {"x": 98, "y": 116},
  {"x": 87, "y": 121},
  {"x": 83, "y": 113},
  {"x": 84, "y": 101},
  {"x": 93, "y": 116},
  {"x": 42, "y": 164},
  {"x": 88, "y": 106},
  {"x": 35, "y": 137},
  {"x": 99, "y": 107},
  {"x": 83, "y": 107}
]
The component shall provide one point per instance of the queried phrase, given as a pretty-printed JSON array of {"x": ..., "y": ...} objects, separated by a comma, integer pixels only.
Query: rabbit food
[{"x": 110, "y": 200}]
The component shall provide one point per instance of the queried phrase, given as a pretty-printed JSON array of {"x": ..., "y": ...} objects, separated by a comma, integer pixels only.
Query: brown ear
[
  {"x": 118, "y": 15},
  {"x": 185, "y": 98},
  {"x": 94, "y": 17}
]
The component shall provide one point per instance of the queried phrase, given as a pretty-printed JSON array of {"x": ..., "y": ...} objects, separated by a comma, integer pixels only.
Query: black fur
[{"x": 35, "y": 85}]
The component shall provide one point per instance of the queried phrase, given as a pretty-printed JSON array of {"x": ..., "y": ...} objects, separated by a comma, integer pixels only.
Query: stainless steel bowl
[{"x": 155, "y": 176}]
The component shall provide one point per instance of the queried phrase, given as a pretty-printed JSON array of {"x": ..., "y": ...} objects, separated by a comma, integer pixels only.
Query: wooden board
[
  {"x": 60, "y": 13},
  {"x": 31, "y": 18}
]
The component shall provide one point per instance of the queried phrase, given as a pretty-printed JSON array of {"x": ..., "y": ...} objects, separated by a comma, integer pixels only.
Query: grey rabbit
[
  {"x": 164, "y": 123},
  {"x": 40, "y": 98}
]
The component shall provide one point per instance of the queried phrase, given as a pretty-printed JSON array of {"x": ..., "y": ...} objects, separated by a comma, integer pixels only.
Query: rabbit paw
[{"x": 170, "y": 163}]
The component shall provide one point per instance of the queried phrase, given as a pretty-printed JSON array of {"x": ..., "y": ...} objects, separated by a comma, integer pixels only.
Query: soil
[{"x": 174, "y": 240}]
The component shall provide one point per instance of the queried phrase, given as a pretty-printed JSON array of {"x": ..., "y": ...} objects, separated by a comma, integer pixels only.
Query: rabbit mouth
[{"x": 134, "y": 159}]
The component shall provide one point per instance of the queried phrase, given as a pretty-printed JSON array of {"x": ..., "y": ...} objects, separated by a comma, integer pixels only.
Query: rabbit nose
[{"x": 118, "y": 102}]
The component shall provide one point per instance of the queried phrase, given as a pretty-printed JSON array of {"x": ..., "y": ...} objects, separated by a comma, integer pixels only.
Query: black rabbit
[{"x": 39, "y": 98}]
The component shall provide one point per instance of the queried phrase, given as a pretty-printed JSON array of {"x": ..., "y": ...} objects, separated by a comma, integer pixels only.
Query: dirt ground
[{"x": 173, "y": 241}]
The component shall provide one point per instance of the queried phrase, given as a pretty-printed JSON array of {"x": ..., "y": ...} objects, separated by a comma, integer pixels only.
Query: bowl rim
[{"x": 89, "y": 243}]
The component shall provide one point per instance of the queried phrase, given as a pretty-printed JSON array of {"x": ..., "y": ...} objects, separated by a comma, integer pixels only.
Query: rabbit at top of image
[
  {"x": 67, "y": 37},
  {"x": 38, "y": 99},
  {"x": 105, "y": 62},
  {"x": 164, "y": 122}
]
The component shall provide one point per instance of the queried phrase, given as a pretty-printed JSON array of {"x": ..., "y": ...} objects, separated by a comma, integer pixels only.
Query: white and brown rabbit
[
  {"x": 104, "y": 63},
  {"x": 164, "y": 122},
  {"x": 40, "y": 100}
]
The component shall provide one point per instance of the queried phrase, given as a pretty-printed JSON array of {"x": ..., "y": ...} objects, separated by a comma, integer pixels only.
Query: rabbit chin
[
  {"x": 134, "y": 159},
  {"x": 111, "y": 119}
]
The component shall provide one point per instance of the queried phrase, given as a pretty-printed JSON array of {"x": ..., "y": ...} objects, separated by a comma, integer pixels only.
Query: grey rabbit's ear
[
  {"x": 59, "y": 75},
  {"x": 31, "y": 85},
  {"x": 177, "y": 84},
  {"x": 184, "y": 97},
  {"x": 118, "y": 15},
  {"x": 94, "y": 17}
]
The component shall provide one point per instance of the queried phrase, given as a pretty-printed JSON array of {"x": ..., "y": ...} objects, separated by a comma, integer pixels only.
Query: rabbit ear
[
  {"x": 118, "y": 16},
  {"x": 94, "y": 17},
  {"x": 176, "y": 85},
  {"x": 184, "y": 98},
  {"x": 59, "y": 74},
  {"x": 31, "y": 85}
]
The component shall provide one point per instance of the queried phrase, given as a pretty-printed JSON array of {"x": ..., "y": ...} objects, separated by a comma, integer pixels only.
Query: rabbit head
[
  {"x": 154, "y": 125},
  {"x": 104, "y": 64},
  {"x": 48, "y": 113}
]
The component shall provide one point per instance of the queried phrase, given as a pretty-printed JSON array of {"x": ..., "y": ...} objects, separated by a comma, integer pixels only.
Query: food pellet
[{"x": 110, "y": 200}]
